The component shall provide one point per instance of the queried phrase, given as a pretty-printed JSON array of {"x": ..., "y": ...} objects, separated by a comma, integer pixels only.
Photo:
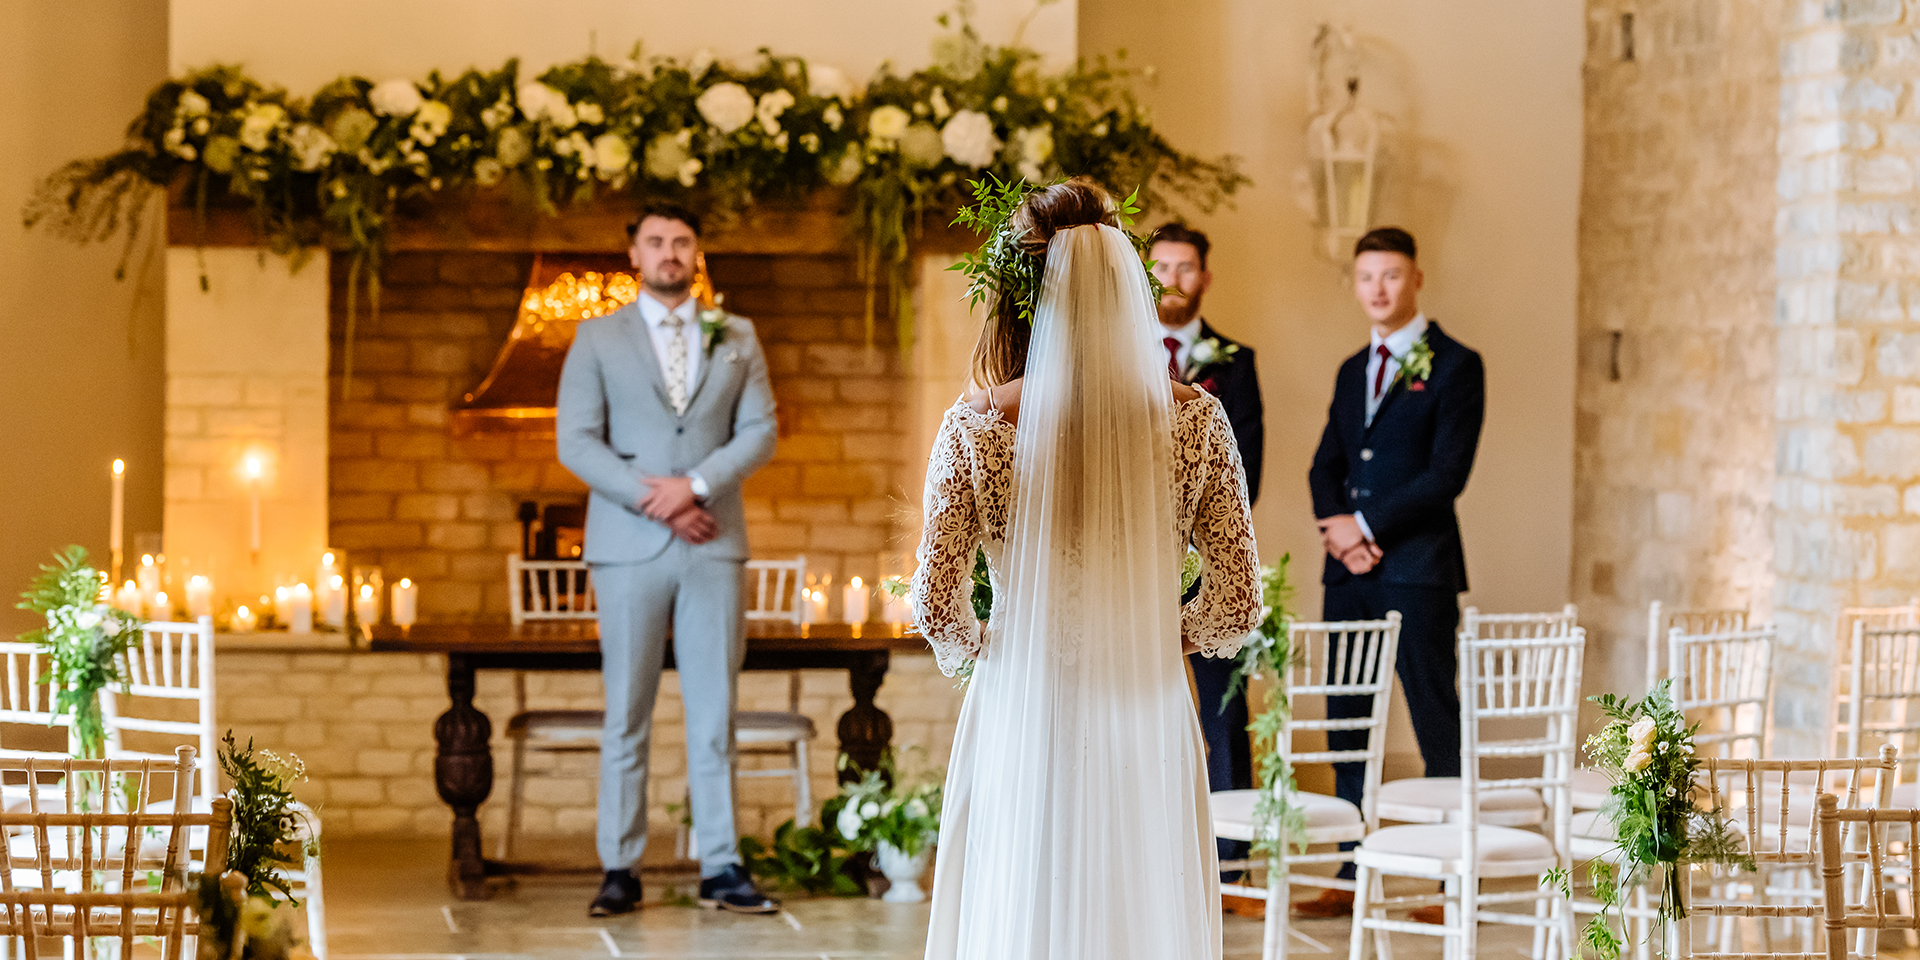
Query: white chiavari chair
[
  {"x": 1773, "y": 807},
  {"x": 1342, "y": 659},
  {"x": 27, "y": 699},
  {"x": 169, "y": 702},
  {"x": 1847, "y": 838},
  {"x": 1877, "y": 701},
  {"x": 1511, "y": 682},
  {"x": 119, "y": 871},
  {"x": 1436, "y": 799},
  {"x": 544, "y": 590},
  {"x": 1724, "y": 681}
]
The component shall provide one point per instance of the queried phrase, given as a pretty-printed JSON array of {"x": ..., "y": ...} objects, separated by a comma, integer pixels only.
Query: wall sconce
[{"x": 1343, "y": 143}]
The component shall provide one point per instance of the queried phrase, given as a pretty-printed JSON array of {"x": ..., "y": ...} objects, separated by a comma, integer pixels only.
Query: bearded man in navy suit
[
  {"x": 1399, "y": 443},
  {"x": 1198, "y": 354}
]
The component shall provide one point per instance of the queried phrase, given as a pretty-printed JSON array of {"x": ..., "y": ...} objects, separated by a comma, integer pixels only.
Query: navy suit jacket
[
  {"x": 1237, "y": 386},
  {"x": 1405, "y": 470}
]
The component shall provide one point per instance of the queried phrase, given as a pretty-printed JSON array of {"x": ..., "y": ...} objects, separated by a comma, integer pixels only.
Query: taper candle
[{"x": 405, "y": 607}]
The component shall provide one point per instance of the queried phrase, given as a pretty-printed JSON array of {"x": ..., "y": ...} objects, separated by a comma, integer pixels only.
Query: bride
[{"x": 1075, "y": 823}]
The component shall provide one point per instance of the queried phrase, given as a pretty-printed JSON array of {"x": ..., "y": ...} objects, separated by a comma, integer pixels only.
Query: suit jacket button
[
  {"x": 679, "y": 429},
  {"x": 1366, "y": 454}
]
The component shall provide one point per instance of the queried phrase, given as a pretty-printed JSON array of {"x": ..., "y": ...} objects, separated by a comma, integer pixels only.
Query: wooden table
[{"x": 463, "y": 760}]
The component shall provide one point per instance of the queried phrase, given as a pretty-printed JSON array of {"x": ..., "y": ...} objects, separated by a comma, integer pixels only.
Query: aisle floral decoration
[
  {"x": 1646, "y": 749},
  {"x": 887, "y": 806},
  {"x": 1266, "y": 654},
  {"x": 247, "y": 913},
  {"x": 340, "y": 165},
  {"x": 84, "y": 640}
]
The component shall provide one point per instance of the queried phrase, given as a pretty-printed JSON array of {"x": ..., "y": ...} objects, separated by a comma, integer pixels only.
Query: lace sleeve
[
  {"x": 1228, "y": 606},
  {"x": 943, "y": 584}
]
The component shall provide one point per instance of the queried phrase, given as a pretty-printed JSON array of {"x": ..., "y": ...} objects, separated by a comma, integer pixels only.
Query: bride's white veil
[{"x": 1084, "y": 665}]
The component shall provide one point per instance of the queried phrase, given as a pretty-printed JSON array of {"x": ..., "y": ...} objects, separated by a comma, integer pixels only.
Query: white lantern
[{"x": 1343, "y": 144}]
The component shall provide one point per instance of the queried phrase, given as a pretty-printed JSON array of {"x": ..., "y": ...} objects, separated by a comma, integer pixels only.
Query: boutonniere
[
  {"x": 1416, "y": 366},
  {"x": 1205, "y": 353},
  {"x": 713, "y": 327}
]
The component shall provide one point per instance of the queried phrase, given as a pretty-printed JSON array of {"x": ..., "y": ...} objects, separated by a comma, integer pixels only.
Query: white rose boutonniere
[
  {"x": 1416, "y": 366},
  {"x": 1205, "y": 353},
  {"x": 713, "y": 327}
]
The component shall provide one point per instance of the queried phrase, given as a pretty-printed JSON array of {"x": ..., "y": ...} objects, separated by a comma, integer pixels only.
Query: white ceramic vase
[{"x": 902, "y": 872}]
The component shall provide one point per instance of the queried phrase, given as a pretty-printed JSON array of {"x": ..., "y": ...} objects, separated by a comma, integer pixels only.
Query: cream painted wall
[
  {"x": 1486, "y": 175},
  {"x": 80, "y": 355},
  {"x": 379, "y": 38}
]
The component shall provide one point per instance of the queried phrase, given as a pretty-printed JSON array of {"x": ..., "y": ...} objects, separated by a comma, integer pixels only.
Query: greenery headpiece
[{"x": 1001, "y": 267}]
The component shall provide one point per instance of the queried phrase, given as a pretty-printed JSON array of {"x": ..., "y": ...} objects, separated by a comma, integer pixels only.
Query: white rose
[
  {"x": 848, "y": 822},
  {"x": 887, "y": 123},
  {"x": 492, "y": 117},
  {"x": 192, "y": 104},
  {"x": 1036, "y": 145},
  {"x": 1637, "y": 760},
  {"x": 1641, "y": 733},
  {"x": 86, "y": 620},
  {"x": 611, "y": 155},
  {"x": 513, "y": 147},
  {"x": 728, "y": 106},
  {"x": 541, "y": 102},
  {"x": 832, "y": 117},
  {"x": 665, "y": 156},
  {"x": 769, "y": 109},
  {"x": 828, "y": 83},
  {"x": 870, "y": 809},
  {"x": 430, "y": 121},
  {"x": 1205, "y": 352},
  {"x": 917, "y": 808},
  {"x": 310, "y": 145},
  {"x": 256, "y": 129},
  {"x": 395, "y": 98},
  {"x": 969, "y": 139},
  {"x": 589, "y": 112},
  {"x": 487, "y": 171}
]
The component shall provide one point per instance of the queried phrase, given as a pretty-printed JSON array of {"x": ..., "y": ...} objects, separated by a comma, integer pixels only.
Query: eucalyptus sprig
[{"x": 84, "y": 639}]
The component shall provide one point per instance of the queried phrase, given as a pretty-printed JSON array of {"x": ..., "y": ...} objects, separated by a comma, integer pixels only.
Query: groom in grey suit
[{"x": 665, "y": 409}]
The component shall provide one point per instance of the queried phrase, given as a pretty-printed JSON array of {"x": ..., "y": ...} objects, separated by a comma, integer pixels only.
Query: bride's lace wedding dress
[{"x": 1075, "y": 824}]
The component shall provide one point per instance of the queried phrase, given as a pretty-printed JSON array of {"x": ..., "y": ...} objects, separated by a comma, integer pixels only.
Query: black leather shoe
[
  {"x": 620, "y": 893},
  {"x": 731, "y": 889}
]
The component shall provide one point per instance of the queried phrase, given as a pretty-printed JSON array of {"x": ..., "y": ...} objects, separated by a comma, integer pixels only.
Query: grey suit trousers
[{"x": 700, "y": 597}]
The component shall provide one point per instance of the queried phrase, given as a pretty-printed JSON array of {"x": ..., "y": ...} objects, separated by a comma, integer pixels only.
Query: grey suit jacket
[{"x": 615, "y": 424}]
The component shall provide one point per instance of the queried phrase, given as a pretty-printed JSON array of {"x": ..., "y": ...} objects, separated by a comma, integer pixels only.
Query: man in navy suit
[
  {"x": 1198, "y": 354},
  {"x": 1399, "y": 444}
]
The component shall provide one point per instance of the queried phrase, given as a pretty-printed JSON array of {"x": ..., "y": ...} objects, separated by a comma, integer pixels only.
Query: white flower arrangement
[
  {"x": 970, "y": 140},
  {"x": 887, "y": 124},
  {"x": 310, "y": 145},
  {"x": 540, "y": 102},
  {"x": 727, "y": 106},
  {"x": 259, "y": 124},
  {"x": 611, "y": 156},
  {"x": 886, "y": 806},
  {"x": 395, "y": 98}
]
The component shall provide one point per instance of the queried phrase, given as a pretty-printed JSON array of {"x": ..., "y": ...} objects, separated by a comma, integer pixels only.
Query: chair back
[
  {"x": 118, "y": 872},
  {"x": 169, "y": 698},
  {"x": 1854, "y": 835},
  {"x": 776, "y": 588},
  {"x": 1724, "y": 681},
  {"x": 549, "y": 590},
  {"x": 1341, "y": 659},
  {"x": 26, "y": 698},
  {"x": 1479, "y": 625},
  {"x": 1880, "y": 699},
  {"x": 1530, "y": 688},
  {"x": 1661, "y": 622}
]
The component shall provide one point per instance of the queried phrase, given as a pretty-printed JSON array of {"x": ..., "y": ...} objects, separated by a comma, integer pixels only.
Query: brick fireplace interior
[{"x": 410, "y": 493}]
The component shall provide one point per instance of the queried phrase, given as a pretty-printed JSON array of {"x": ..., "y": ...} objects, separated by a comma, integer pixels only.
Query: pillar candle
[
  {"x": 366, "y": 607},
  {"x": 161, "y": 608},
  {"x": 199, "y": 597},
  {"x": 148, "y": 576},
  {"x": 333, "y": 601},
  {"x": 897, "y": 610},
  {"x": 128, "y": 598},
  {"x": 296, "y": 608},
  {"x": 817, "y": 607},
  {"x": 405, "y": 607},
  {"x": 853, "y": 602},
  {"x": 244, "y": 620}
]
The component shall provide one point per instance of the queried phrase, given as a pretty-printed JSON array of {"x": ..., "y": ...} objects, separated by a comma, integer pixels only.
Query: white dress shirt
[
  {"x": 1187, "y": 334},
  {"x": 655, "y": 313},
  {"x": 1398, "y": 343}
]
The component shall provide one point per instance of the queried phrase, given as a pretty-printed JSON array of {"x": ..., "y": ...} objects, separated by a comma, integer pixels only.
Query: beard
[
  {"x": 1176, "y": 311},
  {"x": 671, "y": 288}
]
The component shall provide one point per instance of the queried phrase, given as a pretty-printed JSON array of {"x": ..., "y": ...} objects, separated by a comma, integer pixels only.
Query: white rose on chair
[{"x": 1640, "y": 735}]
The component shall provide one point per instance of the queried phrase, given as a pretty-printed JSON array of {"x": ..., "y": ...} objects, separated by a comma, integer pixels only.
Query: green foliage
[
  {"x": 1267, "y": 652},
  {"x": 266, "y": 823},
  {"x": 887, "y": 806},
  {"x": 84, "y": 639},
  {"x": 808, "y": 859}
]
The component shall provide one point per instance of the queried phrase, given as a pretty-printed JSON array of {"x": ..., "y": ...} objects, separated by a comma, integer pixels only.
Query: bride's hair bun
[{"x": 1075, "y": 203}]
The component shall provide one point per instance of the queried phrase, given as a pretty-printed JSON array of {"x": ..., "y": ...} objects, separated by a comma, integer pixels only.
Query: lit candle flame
[
  {"x": 337, "y": 582},
  {"x": 856, "y": 583},
  {"x": 366, "y": 591},
  {"x": 243, "y": 612},
  {"x": 253, "y": 467},
  {"x": 326, "y": 559},
  {"x": 146, "y": 559},
  {"x": 405, "y": 582},
  {"x": 119, "y": 467}
]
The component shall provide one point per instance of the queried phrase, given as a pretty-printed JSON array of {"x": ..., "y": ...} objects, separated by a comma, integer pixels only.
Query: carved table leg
[
  {"x": 463, "y": 772},
  {"x": 865, "y": 730}
]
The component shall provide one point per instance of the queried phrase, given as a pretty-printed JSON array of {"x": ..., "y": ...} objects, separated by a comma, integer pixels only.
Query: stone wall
[
  {"x": 363, "y": 723},
  {"x": 410, "y": 496},
  {"x": 1675, "y": 435}
]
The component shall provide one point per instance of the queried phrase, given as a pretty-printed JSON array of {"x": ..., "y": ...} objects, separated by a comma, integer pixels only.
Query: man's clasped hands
[{"x": 1346, "y": 542}]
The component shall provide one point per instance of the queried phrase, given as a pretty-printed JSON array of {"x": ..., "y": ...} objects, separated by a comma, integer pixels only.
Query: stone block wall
[
  {"x": 410, "y": 496},
  {"x": 363, "y": 723},
  {"x": 1674, "y": 439}
]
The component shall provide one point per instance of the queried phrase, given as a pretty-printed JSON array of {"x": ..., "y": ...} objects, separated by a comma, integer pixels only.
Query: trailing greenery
[
  {"x": 266, "y": 820},
  {"x": 809, "y": 859},
  {"x": 84, "y": 639},
  {"x": 1646, "y": 748},
  {"x": 1266, "y": 653},
  {"x": 343, "y": 164}
]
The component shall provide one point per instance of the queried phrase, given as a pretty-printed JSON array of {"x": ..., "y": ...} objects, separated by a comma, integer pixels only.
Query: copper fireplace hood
[{"x": 519, "y": 394}]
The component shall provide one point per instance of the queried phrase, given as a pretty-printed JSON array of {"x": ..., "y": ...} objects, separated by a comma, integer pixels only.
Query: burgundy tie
[
  {"x": 1380, "y": 375},
  {"x": 1173, "y": 356}
]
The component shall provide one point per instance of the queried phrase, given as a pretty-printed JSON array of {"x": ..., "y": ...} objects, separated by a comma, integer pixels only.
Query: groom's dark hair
[
  {"x": 1181, "y": 233},
  {"x": 665, "y": 211},
  {"x": 1386, "y": 240}
]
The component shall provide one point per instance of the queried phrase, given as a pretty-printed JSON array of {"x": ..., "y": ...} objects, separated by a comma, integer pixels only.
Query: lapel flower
[
  {"x": 1416, "y": 366},
  {"x": 713, "y": 327},
  {"x": 1205, "y": 353}
]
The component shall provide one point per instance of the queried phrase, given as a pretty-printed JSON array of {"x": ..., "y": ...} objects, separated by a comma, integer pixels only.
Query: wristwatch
[{"x": 699, "y": 485}]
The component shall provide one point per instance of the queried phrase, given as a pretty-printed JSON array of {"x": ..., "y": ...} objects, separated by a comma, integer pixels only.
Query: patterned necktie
[
  {"x": 1173, "y": 356},
  {"x": 1380, "y": 375},
  {"x": 676, "y": 361}
]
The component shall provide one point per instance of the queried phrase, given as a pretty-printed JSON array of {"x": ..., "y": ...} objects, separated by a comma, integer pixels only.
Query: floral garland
[
  {"x": 1267, "y": 652},
  {"x": 1646, "y": 749},
  {"x": 84, "y": 639},
  {"x": 337, "y": 166}
]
